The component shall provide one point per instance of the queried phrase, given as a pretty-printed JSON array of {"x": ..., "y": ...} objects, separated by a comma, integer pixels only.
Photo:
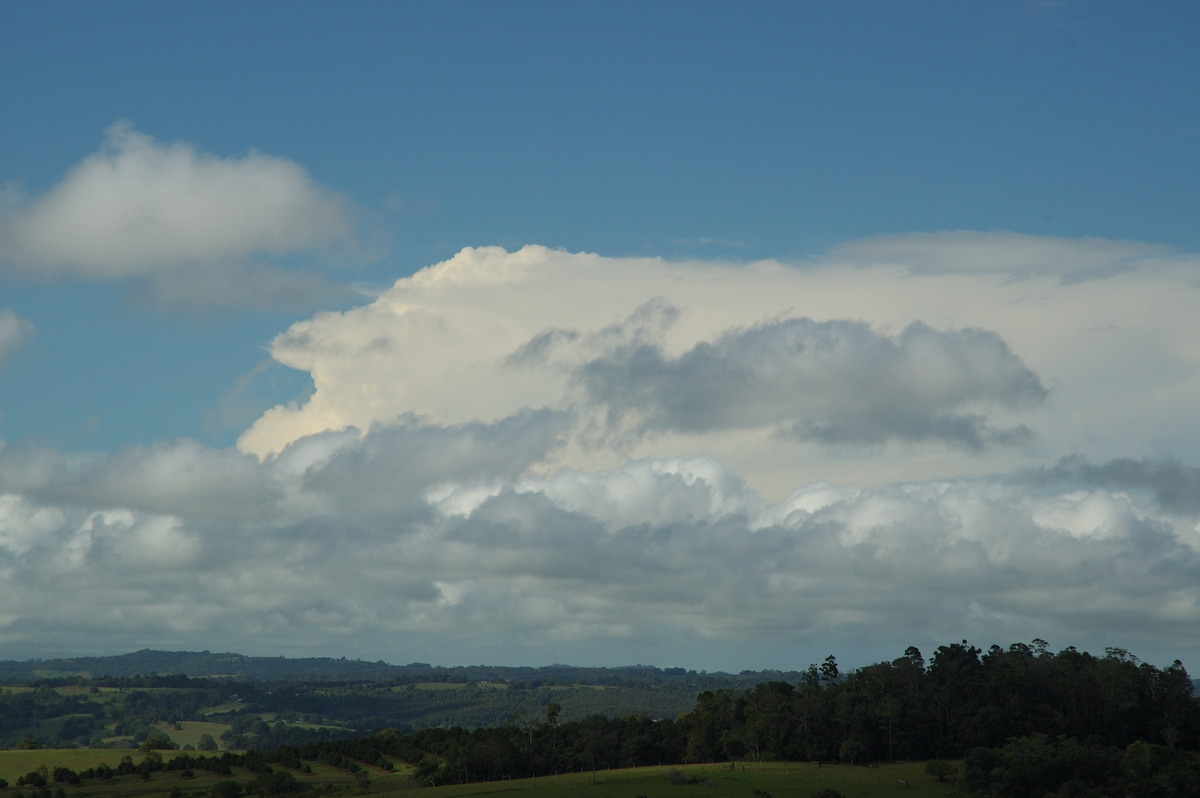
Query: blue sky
[{"x": 693, "y": 281}]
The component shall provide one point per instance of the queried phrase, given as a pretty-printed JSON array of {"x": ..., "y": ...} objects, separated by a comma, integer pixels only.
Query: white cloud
[
  {"x": 14, "y": 332},
  {"x": 931, "y": 365},
  {"x": 190, "y": 228},
  {"x": 444, "y": 493}
]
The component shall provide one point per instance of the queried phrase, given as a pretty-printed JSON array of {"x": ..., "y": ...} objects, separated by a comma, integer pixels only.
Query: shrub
[{"x": 941, "y": 769}]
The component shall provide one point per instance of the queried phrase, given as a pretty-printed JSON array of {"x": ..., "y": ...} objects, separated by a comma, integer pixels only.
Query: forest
[{"x": 1015, "y": 721}]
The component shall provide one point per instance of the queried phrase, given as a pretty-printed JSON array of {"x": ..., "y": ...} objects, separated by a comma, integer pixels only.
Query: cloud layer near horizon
[
  {"x": 437, "y": 541},
  {"x": 541, "y": 456}
]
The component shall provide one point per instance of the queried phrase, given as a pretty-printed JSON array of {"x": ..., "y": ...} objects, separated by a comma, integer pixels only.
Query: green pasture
[
  {"x": 906, "y": 780},
  {"x": 17, "y": 763},
  {"x": 189, "y": 732},
  {"x": 750, "y": 780}
]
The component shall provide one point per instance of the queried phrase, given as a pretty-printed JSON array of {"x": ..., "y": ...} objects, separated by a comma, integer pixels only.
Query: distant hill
[
  {"x": 318, "y": 696},
  {"x": 240, "y": 668}
]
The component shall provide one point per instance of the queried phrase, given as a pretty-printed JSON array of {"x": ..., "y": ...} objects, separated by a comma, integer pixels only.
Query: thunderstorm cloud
[{"x": 544, "y": 456}]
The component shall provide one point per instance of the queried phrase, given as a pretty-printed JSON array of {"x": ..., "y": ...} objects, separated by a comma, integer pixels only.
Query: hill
[
  {"x": 241, "y": 668},
  {"x": 245, "y": 701}
]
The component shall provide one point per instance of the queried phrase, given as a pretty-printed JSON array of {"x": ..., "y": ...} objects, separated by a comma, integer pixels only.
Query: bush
[
  {"x": 226, "y": 789},
  {"x": 941, "y": 769},
  {"x": 676, "y": 777}
]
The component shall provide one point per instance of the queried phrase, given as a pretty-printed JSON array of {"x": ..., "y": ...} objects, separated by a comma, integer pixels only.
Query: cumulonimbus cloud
[
  {"x": 435, "y": 497},
  {"x": 639, "y": 350},
  {"x": 181, "y": 223}
]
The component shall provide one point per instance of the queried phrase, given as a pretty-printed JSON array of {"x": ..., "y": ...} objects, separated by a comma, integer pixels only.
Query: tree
[
  {"x": 941, "y": 769},
  {"x": 553, "y": 709},
  {"x": 829, "y": 670},
  {"x": 157, "y": 742},
  {"x": 276, "y": 782},
  {"x": 206, "y": 743},
  {"x": 852, "y": 751},
  {"x": 428, "y": 771},
  {"x": 226, "y": 789}
]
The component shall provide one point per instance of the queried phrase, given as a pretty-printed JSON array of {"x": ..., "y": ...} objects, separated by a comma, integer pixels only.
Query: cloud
[
  {"x": 1013, "y": 254},
  {"x": 834, "y": 382},
  {"x": 1175, "y": 486},
  {"x": 14, "y": 332},
  {"x": 900, "y": 371},
  {"x": 418, "y": 538},
  {"x": 188, "y": 227},
  {"x": 656, "y": 348},
  {"x": 542, "y": 456}
]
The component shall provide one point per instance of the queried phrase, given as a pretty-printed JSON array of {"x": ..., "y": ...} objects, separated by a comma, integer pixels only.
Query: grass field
[
  {"x": 907, "y": 780},
  {"x": 16, "y": 763},
  {"x": 190, "y": 731},
  {"x": 779, "y": 780}
]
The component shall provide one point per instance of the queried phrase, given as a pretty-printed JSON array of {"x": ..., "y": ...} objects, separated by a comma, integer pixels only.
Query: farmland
[
  {"x": 996, "y": 720},
  {"x": 726, "y": 780}
]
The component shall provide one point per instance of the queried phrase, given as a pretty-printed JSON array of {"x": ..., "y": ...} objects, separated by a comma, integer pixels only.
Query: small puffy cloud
[
  {"x": 14, "y": 332},
  {"x": 186, "y": 226}
]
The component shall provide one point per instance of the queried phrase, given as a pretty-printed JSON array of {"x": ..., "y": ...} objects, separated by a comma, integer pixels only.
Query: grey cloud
[
  {"x": 418, "y": 534},
  {"x": 645, "y": 326},
  {"x": 834, "y": 381},
  {"x": 177, "y": 478},
  {"x": 393, "y": 465},
  {"x": 1174, "y": 485},
  {"x": 536, "y": 350},
  {"x": 928, "y": 559}
]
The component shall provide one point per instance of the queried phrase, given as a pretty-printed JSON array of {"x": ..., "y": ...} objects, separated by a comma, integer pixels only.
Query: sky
[{"x": 717, "y": 335}]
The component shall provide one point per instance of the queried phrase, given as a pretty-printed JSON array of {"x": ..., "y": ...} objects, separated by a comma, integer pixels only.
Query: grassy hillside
[
  {"x": 707, "y": 781},
  {"x": 718, "y": 781}
]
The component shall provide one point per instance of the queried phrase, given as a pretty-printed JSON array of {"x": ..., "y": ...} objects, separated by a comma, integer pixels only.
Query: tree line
[
  {"x": 1026, "y": 721},
  {"x": 1022, "y": 720}
]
